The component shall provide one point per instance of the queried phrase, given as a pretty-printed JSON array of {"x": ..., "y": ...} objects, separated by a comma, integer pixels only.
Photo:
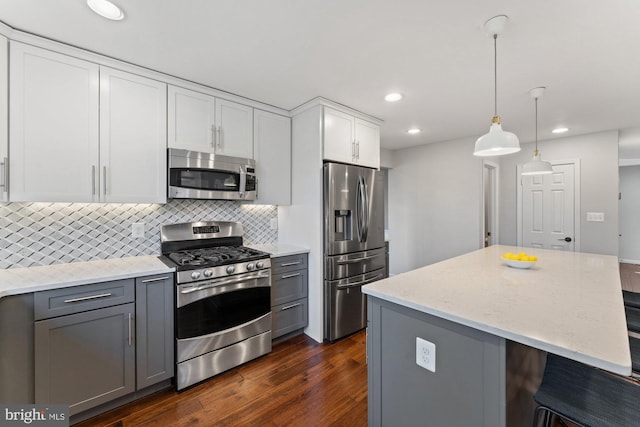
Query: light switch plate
[
  {"x": 595, "y": 216},
  {"x": 274, "y": 223},
  {"x": 426, "y": 354},
  {"x": 137, "y": 229}
]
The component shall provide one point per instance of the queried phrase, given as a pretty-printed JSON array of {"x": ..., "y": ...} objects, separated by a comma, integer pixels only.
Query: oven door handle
[
  {"x": 262, "y": 274},
  {"x": 243, "y": 181}
]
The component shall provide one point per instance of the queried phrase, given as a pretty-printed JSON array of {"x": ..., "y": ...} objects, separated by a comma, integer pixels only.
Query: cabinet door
[
  {"x": 272, "y": 151},
  {"x": 4, "y": 119},
  {"x": 367, "y": 144},
  {"x": 154, "y": 330},
  {"x": 85, "y": 359},
  {"x": 191, "y": 120},
  {"x": 339, "y": 144},
  {"x": 53, "y": 126},
  {"x": 133, "y": 138},
  {"x": 235, "y": 129}
]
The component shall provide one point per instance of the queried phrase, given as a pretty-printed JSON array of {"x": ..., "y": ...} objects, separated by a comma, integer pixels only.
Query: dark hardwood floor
[{"x": 300, "y": 383}]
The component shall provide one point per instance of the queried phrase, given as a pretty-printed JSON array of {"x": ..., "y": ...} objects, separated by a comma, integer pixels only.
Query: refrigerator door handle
[
  {"x": 366, "y": 210},
  {"x": 359, "y": 209},
  {"x": 362, "y": 282}
]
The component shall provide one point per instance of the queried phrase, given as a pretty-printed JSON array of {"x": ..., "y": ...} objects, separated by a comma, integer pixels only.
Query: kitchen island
[{"x": 490, "y": 325}]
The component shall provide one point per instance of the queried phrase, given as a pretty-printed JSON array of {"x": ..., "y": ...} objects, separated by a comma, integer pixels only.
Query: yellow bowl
[{"x": 518, "y": 264}]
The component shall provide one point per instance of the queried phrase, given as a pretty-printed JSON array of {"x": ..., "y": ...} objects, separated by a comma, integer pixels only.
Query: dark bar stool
[
  {"x": 586, "y": 396},
  {"x": 634, "y": 345},
  {"x": 633, "y": 318},
  {"x": 631, "y": 299}
]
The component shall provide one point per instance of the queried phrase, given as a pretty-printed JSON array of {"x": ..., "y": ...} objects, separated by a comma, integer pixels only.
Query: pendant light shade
[
  {"x": 536, "y": 166},
  {"x": 497, "y": 142}
]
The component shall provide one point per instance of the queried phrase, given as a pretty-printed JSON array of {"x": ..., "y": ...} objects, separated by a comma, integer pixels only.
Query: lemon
[
  {"x": 533, "y": 258},
  {"x": 507, "y": 255}
]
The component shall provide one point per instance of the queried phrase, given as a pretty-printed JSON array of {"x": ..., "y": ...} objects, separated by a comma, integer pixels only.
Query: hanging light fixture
[
  {"x": 536, "y": 166},
  {"x": 497, "y": 142}
]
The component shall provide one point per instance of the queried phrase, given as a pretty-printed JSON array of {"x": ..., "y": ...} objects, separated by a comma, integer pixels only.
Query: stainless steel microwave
[{"x": 197, "y": 175}]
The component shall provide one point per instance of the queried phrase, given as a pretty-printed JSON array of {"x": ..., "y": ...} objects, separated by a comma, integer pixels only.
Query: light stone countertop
[
  {"x": 15, "y": 281},
  {"x": 280, "y": 249},
  {"x": 568, "y": 303}
]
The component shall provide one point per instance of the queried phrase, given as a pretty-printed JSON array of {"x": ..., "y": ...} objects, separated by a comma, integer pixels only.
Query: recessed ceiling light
[
  {"x": 393, "y": 97},
  {"x": 559, "y": 130},
  {"x": 106, "y": 9},
  {"x": 413, "y": 131}
]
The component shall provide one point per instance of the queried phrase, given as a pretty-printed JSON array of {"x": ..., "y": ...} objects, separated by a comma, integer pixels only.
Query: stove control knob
[
  {"x": 208, "y": 273},
  {"x": 195, "y": 275},
  {"x": 231, "y": 269},
  {"x": 259, "y": 264},
  {"x": 250, "y": 266}
]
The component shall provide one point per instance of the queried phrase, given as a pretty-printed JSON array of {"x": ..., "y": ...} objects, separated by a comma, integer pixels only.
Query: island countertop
[{"x": 568, "y": 303}]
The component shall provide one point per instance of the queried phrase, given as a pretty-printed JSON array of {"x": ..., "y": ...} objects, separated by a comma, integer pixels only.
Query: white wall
[
  {"x": 598, "y": 154},
  {"x": 435, "y": 194},
  {"x": 630, "y": 214}
]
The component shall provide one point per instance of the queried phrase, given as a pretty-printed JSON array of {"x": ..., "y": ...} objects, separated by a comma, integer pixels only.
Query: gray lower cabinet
[
  {"x": 85, "y": 359},
  {"x": 289, "y": 283},
  {"x": 154, "y": 330}
]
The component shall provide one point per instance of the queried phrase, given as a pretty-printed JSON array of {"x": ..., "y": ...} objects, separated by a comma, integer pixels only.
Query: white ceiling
[{"x": 285, "y": 52}]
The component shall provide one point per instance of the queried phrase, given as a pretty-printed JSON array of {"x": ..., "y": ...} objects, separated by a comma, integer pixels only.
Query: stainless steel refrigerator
[{"x": 354, "y": 250}]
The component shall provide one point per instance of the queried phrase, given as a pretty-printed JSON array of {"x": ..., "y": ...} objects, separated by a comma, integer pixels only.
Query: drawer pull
[
  {"x": 108, "y": 294},
  {"x": 129, "y": 329},
  {"x": 287, "y": 264},
  {"x": 157, "y": 279},
  {"x": 289, "y": 276},
  {"x": 290, "y": 306}
]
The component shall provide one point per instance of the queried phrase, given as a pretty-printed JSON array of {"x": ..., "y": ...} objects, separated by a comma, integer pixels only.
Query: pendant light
[
  {"x": 497, "y": 142},
  {"x": 536, "y": 166}
]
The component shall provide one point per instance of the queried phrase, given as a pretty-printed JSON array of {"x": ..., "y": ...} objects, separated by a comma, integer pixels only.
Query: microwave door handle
[{"x": 243, "y": 181}]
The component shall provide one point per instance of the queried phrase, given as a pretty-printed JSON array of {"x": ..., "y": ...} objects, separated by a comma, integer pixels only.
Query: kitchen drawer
[
  {"x": 288, "y": 263},
  {"x": 288, "y": 286},
  {"x": 75, "y": 299},
  {"x": 289, "y": 317}
]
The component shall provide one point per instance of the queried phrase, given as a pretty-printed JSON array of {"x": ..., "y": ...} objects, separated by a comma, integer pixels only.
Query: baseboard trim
[{"x": 630, "y": 261}]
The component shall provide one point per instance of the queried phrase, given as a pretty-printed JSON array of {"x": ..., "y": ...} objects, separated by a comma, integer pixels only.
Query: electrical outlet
[
  {"x": 137, "y": 229},
  {"x": 274, "y": 223},
  {"x": 426, "y": 354}
]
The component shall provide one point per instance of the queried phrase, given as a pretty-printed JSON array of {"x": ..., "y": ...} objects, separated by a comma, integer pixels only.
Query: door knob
[{"x": 566, "y": 239}]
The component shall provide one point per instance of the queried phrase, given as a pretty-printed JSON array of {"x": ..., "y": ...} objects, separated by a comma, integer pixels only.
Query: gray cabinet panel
[
  {"x": 289, "y": 286},
  {"x": 85, "y": 359},
  {"x": 288, "y": 263},
  {"x": 60, "y": 302},
  {"x": 154, "y": 330},
  {"x": 289, "y": 317}
]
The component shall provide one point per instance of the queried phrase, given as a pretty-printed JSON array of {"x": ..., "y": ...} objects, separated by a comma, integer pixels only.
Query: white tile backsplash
[{"x": 52, "y": 233}]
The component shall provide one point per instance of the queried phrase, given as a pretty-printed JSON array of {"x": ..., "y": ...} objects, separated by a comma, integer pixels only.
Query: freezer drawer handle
[
  {"x": 157, "y": 279},
  {"x": 352, "y": 261},
  {"x": 363, "y": 282},
  {"x": 108, "y": 294},
  {"x": 290, "y": 307},
  {"x": 289, "y": 276},
  {"x": 288, "y": 264}
]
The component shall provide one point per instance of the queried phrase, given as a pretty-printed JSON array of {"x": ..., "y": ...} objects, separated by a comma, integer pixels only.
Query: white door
[
  {"x": 191, "y": 120},
  {"x": 132, "y": 138},
  {"x": 53, "y": 126},
  {"x": 272, "y": 151},
  {"x": 490, "y": 203},
  {"x": 367, "y": 144},
  {"x": 548, "y": 209},
  {"x": 4, "y": 119},
  {"x": 235, "y": 129},
  {"x": 339, "y": 143}
]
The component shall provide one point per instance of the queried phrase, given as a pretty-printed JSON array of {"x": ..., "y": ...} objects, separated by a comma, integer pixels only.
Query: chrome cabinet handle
[
  {"x": 5, "y": 175},
  {"x": 104, "y": 179},
  {"x": 289, "y": 307},
  {"x": 353, "y": 150},
  {"x": 357, "y": 150},
  {"x": 219, "y": 139},
  {"x": 287, "y": 264},
  {"x": 129, "y": 329},
  {"x": 213, "y": 136},
  {"x": 157, "y": 279},
  {"x": 108, "y": 294},
  {"x": 93, "y": 180},
  {"x": 289, "y": 276}
]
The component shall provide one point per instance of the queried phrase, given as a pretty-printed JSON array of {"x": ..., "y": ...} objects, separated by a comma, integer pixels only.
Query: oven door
[{"x": 216, "y": 313}]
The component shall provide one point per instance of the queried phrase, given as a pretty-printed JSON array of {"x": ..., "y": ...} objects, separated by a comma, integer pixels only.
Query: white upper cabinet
[
  {"x": 348, "y": 139},
  {"x": 82, "y": 133},
  {"x": 133, "y": 138},
  {"x": 4, "y": 119},
  {"x": 191, "y": 123},
  {"x": 53, "y": 126},
  {"x": 201, "y": 122},
  {"x": 272, "y": 150}
]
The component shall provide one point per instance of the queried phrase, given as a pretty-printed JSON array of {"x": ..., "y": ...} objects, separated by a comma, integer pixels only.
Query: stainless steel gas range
[{"x": 223, "y": 298}]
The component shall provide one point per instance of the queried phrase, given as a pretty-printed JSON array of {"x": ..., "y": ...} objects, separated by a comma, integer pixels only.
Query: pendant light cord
[{"x": 495, "y": 74}]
